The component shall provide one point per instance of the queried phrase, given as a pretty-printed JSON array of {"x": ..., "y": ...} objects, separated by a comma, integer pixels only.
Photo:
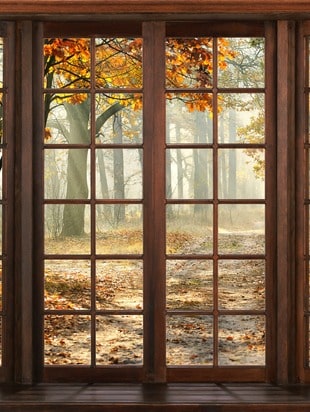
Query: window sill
[{"x": 170, "y": 397}]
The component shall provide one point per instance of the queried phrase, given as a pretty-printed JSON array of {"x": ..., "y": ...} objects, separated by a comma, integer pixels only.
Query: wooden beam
[{"x": 153, "y": 6}]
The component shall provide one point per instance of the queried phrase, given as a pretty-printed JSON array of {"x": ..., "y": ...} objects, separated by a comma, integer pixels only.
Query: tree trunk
[
  {"x": 168, "y": 168},
  {"x": 200, "y": 163},
  {"x": 77, "y": 187},
  {"x": 232, "y": 186},
  {"x": 118, "y": 165}
]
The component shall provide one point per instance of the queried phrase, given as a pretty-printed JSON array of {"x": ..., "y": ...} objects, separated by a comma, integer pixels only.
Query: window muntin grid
[
  {"x": 154, "y": 346},
  {"x": 93, "y": 137},
  {"x": 215, "y": 211}
]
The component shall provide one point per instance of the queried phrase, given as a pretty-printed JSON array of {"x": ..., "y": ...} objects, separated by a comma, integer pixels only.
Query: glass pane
[
  {"x": 189, "y": 284},
  {"x": 241, "y": 284},
  {"x": 189, "y": 340},
  {"x": 119, "y": 118},
  {"x": 189, "y": 173},
  {"x": 118, "y": 62},
  {"x": 189, "y": 62},
  {"x": 119, "y": 229},
  {"x": 241, "y": 118},
  {"x": 242, "y": 229},
  {"x": 119, "y": 284},
  {"x": 244, "y": 63},
  {"x": 241, "y": 340},
  {"x": 66, "y": 63},
  {"x": 67, "y": 340},
  {"x": 189, "y": 229},
  {"x": 241, "y": 173},
  {"x": 189, "y": 118},
  {"x": 119, "y": 174},
  {"x": 67, "y": 118},
  {"x": 185, "y": 125},
  {"x": 67, "y": 229},
  {"x": 119, "y": 340},
  {"x": 67, "y": 284},
  {"x": 66, "y": 174}
]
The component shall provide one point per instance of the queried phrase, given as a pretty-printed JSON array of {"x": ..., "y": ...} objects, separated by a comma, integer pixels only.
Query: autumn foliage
[{"x": 118, "y": 65}]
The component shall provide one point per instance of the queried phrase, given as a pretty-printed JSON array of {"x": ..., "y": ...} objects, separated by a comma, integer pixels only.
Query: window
[
  {"x": 93, "y": 207},
  {"x": 153, "y": 214},
  {"x": 149, "y": 176}
]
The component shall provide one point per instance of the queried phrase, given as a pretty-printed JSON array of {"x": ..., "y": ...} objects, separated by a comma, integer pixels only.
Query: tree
[
  {"x": 247, "y": 69},
  {"x": 118, "y": 65}
]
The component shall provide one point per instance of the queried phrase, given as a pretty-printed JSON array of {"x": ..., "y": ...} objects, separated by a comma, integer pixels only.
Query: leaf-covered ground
[{"x": 234, "y": 339}]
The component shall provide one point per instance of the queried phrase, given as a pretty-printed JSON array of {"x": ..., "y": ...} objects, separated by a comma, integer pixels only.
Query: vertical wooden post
[
  {"x": 302, "y": 216},
  {"x": 7, "y": 30},
  {"x": 285, "y": 201},
  {"x": 154, "y": 200},
  {"x": 24, "y": 216},
  {"x": 37, "y": 179}
]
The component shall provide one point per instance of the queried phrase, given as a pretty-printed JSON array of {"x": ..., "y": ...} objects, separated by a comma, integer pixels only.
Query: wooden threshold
[{"x": 154, "y": 397}]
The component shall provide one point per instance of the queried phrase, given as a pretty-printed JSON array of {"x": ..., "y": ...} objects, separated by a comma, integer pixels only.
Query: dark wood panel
[
  {"x": 219, "y": 374},
  {"x": 86, "y": 374},
  {"x": 80, "y": 29},
  {"x": 216, "y": 28}
]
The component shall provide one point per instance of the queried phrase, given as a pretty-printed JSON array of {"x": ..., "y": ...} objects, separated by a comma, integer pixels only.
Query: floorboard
[{"x": 166, "y": 398}]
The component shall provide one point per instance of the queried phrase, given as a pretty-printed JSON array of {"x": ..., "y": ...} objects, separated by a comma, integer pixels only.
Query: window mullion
[
  {"x": 154, "y": 201},
  {"x": 271, "y": 183}
]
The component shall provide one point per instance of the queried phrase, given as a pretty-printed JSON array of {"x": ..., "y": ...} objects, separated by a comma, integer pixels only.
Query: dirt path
[{"x": 239, "y": 339}]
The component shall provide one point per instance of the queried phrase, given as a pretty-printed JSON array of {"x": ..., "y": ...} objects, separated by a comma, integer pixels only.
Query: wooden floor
[{"x": 166, "y": 398}]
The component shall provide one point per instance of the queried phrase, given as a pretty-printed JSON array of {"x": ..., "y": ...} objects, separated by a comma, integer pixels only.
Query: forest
[{"x": 93, "y": 199}]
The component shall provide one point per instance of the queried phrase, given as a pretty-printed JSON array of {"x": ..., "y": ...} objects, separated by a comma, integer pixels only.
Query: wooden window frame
[
  {"x": 154, "y": 369},
  {"x": 286, "y": 366}
]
